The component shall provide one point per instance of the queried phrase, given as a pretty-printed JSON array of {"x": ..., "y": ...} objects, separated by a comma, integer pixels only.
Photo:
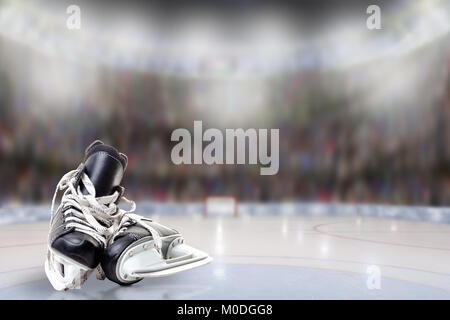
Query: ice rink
[{"x": 262, "y": 257}]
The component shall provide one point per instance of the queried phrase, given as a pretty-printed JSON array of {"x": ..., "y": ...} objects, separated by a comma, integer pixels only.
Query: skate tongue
[{"x": 105, "y": 167}]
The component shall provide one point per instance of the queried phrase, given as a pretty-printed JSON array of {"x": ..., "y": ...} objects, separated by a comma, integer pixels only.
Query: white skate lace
[
  {"x": 129, "y": 219},
  {"x": 98, "y": 217}
]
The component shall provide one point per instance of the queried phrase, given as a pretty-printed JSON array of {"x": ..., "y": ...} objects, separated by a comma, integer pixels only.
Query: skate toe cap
[{"x": 111, "y": 256}]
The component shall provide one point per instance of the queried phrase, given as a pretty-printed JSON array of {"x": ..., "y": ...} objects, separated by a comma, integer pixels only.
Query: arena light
[
  {"x": 197, "y": 41},
  {"x": 271, "y": 40},
  {"x": 270, "y": 44},
  {"x": 422, "y": 23}
]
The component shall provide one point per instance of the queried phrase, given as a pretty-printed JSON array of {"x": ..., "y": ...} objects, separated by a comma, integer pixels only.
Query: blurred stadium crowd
[
  {"x": 339, "y": 140},
  {"x": 374, "y": 132}
]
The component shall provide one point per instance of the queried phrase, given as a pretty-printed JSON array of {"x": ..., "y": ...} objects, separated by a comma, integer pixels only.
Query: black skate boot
[
  {"x": 144, "y": 248},
  {"x": 84, "y": 219}
]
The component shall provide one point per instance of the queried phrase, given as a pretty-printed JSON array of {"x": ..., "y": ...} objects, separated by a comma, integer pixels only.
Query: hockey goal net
[{"x": 220, "y": 206}]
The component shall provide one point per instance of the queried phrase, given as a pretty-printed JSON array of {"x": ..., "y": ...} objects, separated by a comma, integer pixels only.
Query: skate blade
[
  {"x": 63, "y": 272},
  {"x": 137, "y": 263},
  {"x": 173, "y": 269}
]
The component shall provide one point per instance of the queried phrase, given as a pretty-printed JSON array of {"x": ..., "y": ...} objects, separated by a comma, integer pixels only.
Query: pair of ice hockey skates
[{"x": 88, "y": 230}]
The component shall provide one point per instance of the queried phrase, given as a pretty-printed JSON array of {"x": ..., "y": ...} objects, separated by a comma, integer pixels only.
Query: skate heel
[
  {"x": 63, "y": 272},
  {"x": 145, "y": 260}
]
